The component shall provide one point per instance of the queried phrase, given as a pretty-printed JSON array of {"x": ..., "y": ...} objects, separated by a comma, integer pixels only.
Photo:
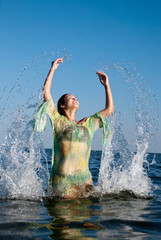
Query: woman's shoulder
[
  {"x": 86, "y": 119},
  {"x": 83, "y": 120}
]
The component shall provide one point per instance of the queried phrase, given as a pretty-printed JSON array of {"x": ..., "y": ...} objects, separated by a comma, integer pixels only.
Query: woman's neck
[{"x": 70, "y": 115}]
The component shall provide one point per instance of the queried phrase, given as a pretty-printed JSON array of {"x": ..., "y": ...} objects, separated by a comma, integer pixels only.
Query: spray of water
[
  {"x": 122, "y": 169},
  {"x": 23, "y": 162}
]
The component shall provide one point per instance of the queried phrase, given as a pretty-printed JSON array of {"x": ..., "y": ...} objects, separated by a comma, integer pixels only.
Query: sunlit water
[
  {"x": 127, "y": 171},
  {"x": 127, "y": 182}
]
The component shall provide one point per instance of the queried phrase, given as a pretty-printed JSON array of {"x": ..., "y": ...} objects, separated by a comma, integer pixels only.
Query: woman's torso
[{"x": 72, "y": 145}]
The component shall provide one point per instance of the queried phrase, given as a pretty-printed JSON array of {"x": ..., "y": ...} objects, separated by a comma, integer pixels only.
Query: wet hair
[{"x": 61, "y": 101}]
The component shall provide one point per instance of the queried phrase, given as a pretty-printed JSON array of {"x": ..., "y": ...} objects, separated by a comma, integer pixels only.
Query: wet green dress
[{"x": 71, "y": 146}]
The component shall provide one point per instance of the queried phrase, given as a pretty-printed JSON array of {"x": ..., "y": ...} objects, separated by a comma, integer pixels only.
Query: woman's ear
[{"x": 62, "y": 106}]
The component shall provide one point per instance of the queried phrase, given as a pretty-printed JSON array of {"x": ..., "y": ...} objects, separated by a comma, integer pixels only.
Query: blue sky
[{"x": 94, "y": 32}]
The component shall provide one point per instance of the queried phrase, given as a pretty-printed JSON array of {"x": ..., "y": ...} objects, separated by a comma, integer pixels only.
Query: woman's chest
[{"x": 70, "y": 131}]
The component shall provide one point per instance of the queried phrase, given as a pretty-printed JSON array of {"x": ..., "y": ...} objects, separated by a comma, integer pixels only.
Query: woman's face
[{"x": 71, "y": 102}]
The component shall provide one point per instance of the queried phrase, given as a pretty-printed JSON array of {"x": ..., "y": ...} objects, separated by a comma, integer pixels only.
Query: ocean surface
[{"x": 114, "y": 215}]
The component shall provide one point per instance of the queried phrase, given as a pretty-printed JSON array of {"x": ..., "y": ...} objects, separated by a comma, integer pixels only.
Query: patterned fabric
[{"x": 71, "y": 145}]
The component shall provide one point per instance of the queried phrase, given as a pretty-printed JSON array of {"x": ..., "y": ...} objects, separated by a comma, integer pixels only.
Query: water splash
[
  {"x": 23, "y": 163},
  {"x": 122, "y": 169},
  {"x": 21, "y": 170}
]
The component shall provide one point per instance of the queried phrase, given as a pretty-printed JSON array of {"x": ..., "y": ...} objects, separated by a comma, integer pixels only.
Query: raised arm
[
  {"x": 48, "y": 81},
  {"x": 109, "y": 108}
]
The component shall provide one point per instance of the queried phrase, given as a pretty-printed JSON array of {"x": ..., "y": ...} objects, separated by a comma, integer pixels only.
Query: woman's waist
[{"x": 77, "y": 176}]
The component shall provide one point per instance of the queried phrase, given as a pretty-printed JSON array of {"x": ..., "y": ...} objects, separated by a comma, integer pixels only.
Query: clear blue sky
[{"x": 93, "y": 32}]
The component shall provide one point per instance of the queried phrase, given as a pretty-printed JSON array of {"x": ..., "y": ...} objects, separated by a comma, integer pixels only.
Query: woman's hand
[
  {"x": 56, "y": 62},
  {"x": 48, "y": 81},
  {"x": 109, "y": 108},
  {"x": 103, "y": 78}
]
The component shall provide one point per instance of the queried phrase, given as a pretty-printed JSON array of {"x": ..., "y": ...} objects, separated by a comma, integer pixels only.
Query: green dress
[{"x": 71, "y": 146}]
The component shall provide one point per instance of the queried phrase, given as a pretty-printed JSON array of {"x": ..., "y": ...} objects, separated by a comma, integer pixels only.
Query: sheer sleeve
[
  {"x": 107, "y": 133},
  {"x": 96, "y": 122},
  {"x": 40, "y": 121}
]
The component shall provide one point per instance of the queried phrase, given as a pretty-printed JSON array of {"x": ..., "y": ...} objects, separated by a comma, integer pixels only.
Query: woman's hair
[{"x": 61, "y": 101}]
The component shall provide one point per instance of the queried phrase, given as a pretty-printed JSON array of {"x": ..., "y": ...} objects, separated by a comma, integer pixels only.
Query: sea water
[
  {"x": 122, "y": 169},
  {"x": 127, "y": 182},
  {"x": 119, "y": 215}
]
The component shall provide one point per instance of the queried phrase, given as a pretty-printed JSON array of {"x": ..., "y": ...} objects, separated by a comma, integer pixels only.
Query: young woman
[{"x": 70, "y": 175}]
